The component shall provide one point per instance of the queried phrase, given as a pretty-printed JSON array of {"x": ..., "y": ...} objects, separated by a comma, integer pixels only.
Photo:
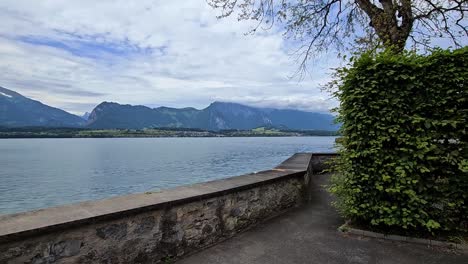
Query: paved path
[{"x": 309, "y": 235}]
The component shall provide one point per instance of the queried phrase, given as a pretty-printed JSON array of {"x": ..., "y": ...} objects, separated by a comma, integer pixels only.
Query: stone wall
[{"x": 152, "y": 227}]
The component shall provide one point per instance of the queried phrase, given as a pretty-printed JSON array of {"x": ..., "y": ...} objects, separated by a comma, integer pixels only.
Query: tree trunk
[{"x": 393, "y": 32}]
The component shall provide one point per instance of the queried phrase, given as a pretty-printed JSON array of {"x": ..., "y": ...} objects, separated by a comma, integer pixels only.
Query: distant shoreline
[{"x": 40, "y": 132}]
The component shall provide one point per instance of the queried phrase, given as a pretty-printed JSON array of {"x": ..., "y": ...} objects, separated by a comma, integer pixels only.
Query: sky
[{"x": 76, "y": 54}]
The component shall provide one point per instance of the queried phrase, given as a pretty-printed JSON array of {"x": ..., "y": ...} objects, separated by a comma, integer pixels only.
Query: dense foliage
[{"x": 404, "y": 155}]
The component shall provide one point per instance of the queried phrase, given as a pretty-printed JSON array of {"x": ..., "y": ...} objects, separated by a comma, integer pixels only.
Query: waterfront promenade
[{"x": 309, "y": 235}]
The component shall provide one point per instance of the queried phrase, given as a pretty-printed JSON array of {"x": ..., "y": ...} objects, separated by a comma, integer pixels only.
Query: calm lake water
[{"x": 38, "y": 173}]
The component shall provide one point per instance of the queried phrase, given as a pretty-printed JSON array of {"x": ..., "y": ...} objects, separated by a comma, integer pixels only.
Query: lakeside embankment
[{"x": 157, "y": 226}]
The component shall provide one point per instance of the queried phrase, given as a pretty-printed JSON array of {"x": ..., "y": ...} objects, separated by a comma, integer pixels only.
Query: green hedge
[{"x": 404, "y": 155}]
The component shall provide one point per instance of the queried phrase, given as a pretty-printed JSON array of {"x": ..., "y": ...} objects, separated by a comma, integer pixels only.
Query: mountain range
[{"x": 19, "y": 111}]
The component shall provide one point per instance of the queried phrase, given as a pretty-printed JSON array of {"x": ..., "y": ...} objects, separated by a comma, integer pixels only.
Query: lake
[{"x": 38, "y": 173}]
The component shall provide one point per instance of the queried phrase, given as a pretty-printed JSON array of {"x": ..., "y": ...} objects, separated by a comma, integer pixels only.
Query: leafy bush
[{"x": 404, "y": 155}]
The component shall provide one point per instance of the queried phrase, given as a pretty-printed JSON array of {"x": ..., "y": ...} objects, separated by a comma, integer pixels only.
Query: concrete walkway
[{"x": 309, "y": 235}]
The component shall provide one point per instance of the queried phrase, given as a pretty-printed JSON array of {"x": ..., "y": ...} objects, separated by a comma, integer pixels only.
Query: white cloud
[{"x": 195, "y": 58}]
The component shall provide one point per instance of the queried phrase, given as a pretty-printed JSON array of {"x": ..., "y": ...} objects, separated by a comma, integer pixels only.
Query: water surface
[{"x": 38, "y": 173}]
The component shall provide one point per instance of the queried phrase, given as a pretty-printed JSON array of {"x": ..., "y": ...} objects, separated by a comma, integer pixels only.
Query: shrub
[{"x": 403, "y": 156}]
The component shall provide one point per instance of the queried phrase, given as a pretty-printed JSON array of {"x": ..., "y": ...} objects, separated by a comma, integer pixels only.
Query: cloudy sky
[{"x": 76, "y": 54}]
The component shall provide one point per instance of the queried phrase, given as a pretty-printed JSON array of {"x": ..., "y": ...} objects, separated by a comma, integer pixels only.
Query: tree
[{"x": 320, "y": 25}]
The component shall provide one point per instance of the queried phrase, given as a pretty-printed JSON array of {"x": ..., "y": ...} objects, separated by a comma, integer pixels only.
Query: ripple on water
[{"x": 37, "y": 173}]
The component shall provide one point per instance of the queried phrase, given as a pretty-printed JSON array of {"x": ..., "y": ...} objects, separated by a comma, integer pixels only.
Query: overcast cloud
[{"x": 76, "y": 54}]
